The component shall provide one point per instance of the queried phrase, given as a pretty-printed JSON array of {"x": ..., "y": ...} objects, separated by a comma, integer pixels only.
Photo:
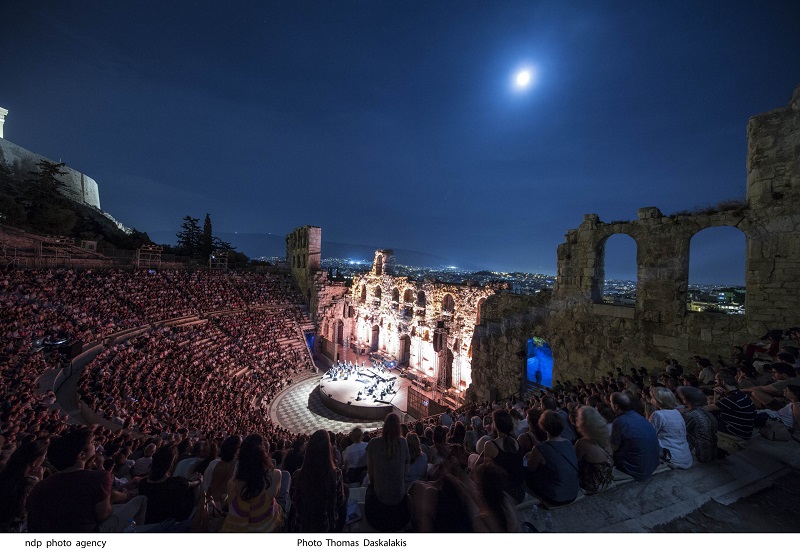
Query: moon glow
[{"x": 523, "y": 78}]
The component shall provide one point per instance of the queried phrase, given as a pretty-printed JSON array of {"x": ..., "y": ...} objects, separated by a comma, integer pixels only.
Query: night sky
[{"x": 397, "y": 124}]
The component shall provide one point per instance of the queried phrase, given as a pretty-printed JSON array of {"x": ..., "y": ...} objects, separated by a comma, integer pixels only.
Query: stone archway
[
  {"x": 376, "y": 333},
  {"x": 339, "y": 337},
  {"x": 404, "y": 357},
  {"x": 448, "y": 304}
]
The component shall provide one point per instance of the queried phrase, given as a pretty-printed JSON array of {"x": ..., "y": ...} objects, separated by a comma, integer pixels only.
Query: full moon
[{"x": 523, "y": 78}]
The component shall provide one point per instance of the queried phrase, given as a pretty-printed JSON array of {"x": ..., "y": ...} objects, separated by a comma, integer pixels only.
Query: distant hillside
[{"x": 271, "y": 245}]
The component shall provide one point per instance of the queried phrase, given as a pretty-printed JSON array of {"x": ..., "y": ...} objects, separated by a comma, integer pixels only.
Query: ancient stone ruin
[{"x": 589, "y": 338}]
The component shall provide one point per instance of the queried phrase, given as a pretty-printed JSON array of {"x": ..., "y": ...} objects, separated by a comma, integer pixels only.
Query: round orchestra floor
[{"x": 299, "y": 409}]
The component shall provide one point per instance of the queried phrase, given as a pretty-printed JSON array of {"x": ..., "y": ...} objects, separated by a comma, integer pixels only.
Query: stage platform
[{"x": 349, "y": 396}]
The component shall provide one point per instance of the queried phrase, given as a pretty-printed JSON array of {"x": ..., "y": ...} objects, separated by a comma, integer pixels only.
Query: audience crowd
[{"x": 187, "y": 445}]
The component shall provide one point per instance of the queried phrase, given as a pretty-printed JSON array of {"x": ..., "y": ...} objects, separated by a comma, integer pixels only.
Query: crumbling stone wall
[
  {"x": 589, "y": 338},
  {"x": 304, "y": 257}
]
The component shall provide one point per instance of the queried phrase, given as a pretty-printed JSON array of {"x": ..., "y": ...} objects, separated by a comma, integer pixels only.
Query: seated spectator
[
  {"x": 354, "y": 458},
  {"x": 141, "y": 467},
  {"x": 551, "y": 403},
  {"x": 220, "y": 471},
  {"x": 418, "y": 461},
  {"x": 198, "y": 461},
  {"x": 552, "y": 465},
  {"x": 386, "y": 503},
  {"x": 593, "y": 451},
  {"x": 259, "y": 493},
  {"x": 790, "y": 413},
  {"x": 496, "y": 509},
  {"x": 770, "y": 348},
  {"x": 294, "y": 457},
  {"x": 633, "y": 440},
  {"x": 506, "y": 452},
  {"x": 533, "y": 435},
  {"x": 318, "y": 495},
  {"x": 167, "y": 496},
  {"x": 770, "y": 396},
  {"x": 19, "y": 475},
  {"x": 701, "y": 425},
  {"x": 75, "y": 499},
  {"x": 733, "y": 408},
  {"x": 746, "y": 376},
  {"x": 705, "y": 371},
  {"x": 670, "y": 428}
]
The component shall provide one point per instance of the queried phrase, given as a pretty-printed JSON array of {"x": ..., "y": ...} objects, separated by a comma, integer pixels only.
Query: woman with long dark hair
[
  {"x": 167, "y": 496},
  {"x": 318, "y": 497},
  {"x": 258, "y": 493},
  {"x": 21, "y": 473},
  {"x": 386, "y": 504}
]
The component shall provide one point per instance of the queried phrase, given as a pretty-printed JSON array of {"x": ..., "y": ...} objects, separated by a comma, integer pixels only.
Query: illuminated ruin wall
[
  {"x": 589, "y": 338},
  {"x": 303, "y": 255},
  {"x": 409, "y": 320}
]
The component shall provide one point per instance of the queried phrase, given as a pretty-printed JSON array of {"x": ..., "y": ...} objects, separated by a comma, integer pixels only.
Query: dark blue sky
[{"x": 395, "y": 123}]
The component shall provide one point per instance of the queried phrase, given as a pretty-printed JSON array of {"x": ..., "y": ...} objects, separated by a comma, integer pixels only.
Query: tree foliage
[
  {"x": 190, "y": 238},
  {"x": 44, "y": 184},
  {"x": 207, "y": 239},
  {"x": 47, "y": 210},
  {"x": 201, "y": 243}
]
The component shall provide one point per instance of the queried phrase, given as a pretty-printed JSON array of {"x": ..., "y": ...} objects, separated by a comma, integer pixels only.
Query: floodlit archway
[
  {"x": 376, "y": 332},
  {"x": 448, "y": 304}
]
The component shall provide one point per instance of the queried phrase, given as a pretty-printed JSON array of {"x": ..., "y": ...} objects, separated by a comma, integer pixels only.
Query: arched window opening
[
  {"x": 379, "y": 265},
  {"x": 616, "y": 273},
  {"x": 408, "y": 303},
  {"x": 378, "y": 292},
  {"x": 717, "y": 271},
  {"x": 363, "y": 293},
  {"x": 448, "y": 305},
  {"x": 376, "y": 332},
  {"x": 421, "y": 301},
  {"x": 395, "y": 295},
  {"x": 339, "y": 338}
]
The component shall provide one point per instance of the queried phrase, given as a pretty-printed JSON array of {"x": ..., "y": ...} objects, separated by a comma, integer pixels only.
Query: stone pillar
[
  {"x": 773, "y": 155},
  {"x": 3, "y": 113}
]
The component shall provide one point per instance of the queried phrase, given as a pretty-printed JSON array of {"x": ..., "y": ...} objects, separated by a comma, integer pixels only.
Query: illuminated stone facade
[{"x": 423, "y": 325}]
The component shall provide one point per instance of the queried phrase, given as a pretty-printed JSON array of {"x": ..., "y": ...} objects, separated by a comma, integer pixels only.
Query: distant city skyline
[{"x": 405, "y": 125}]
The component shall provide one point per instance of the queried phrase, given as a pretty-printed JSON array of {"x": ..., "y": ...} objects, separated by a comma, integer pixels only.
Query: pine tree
[
  {"x": 43, "y": 184},
  {"x": 208, "y": 238},
  {"x": 47, "y": 212},
  {"x": 190, "y": 237}
]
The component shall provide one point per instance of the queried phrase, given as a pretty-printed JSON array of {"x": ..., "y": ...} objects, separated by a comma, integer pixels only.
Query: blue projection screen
[{"x": 539, "y": 362}]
